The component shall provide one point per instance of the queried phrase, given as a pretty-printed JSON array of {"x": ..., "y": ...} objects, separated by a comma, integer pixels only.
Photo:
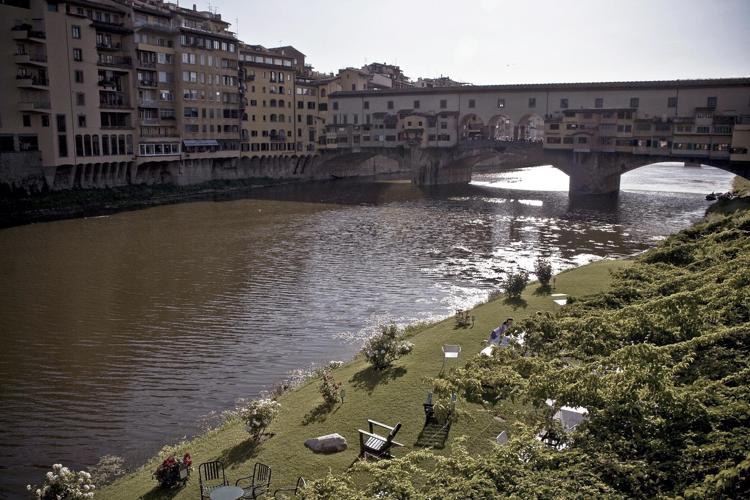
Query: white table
[{"x": 227, "y": 493}]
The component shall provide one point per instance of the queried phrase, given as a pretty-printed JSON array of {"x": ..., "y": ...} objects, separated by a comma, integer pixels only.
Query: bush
[
  {"x": 62, "y": 482},
  {"x": 382, "y": 349},
  {"x": 515, "y": 283},
  {"x": 258, "y": 415},
  {"x": 329, "y": 388},
  {"x": 543, "y": 271}
]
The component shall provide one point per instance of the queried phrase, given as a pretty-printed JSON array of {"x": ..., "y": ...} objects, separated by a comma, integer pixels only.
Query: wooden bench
[{"x": 375, "y": 445}]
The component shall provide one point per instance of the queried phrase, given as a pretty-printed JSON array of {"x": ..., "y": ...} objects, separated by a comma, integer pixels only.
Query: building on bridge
[{"x": 696, "y": 118}]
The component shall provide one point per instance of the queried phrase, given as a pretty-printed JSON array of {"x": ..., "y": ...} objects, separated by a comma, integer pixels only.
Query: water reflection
[{"x": 121, "y": 332}]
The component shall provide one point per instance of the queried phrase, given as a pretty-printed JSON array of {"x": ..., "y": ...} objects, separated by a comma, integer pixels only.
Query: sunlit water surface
[{"x": 123, "y": 333}]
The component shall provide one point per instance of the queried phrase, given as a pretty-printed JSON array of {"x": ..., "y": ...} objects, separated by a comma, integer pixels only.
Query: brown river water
[{"x": 126, "y": 332}]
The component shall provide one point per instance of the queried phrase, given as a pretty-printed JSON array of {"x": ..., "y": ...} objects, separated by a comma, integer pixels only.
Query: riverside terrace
[{"x": 594, "y": 132}]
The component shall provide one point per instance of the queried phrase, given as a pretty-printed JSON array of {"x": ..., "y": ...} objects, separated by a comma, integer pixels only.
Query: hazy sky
[{"x": 507, "y": 41}]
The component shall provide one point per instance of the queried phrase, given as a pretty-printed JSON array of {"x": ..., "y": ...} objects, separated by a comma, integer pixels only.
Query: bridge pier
[{"x": 593, "y": 173}]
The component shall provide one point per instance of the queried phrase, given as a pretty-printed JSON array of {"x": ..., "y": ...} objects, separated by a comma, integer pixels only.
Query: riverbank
[
  {"x": 71, "y": 204},
  {"x": 393, "y": 396}
]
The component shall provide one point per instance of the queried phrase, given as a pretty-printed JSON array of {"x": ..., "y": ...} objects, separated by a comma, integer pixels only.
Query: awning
[{"x": 200, "y": 142}]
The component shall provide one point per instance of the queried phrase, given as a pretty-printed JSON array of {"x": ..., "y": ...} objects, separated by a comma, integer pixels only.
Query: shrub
[
  {"x": 258, "y": 415},
  {"x": 62, "y": 482},
  {"x": 329, "y": 388},
  {"x": 543, "y": 271},
  {"x": 515, "y": 283},
  {"x": 382, "y": 349}
]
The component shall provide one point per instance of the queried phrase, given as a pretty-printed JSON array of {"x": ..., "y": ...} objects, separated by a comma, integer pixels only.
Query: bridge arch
[
  {"x": 500, "y": 128},
  {"x": 530, "y": 127},
  {"x": 472, "y": 127}
]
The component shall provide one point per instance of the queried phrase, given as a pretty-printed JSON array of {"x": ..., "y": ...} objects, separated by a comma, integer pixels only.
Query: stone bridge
[{"x": 594, "y": 172}]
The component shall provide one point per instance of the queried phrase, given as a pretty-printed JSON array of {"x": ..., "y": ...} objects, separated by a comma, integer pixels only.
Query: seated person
[{"x": 497, "y": 336}]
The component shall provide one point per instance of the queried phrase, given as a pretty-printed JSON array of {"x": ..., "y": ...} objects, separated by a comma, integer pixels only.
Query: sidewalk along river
[{"x": 125, "y": 332}]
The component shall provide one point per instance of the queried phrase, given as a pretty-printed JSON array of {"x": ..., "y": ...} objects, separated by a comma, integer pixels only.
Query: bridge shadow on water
[{"x": 355, "y": 192}]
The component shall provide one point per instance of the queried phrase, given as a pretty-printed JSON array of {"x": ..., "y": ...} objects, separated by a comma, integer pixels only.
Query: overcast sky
[{"x": 508, "y": 41}]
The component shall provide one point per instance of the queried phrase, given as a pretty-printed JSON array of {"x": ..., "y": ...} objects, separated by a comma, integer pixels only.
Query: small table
[{"x": 227, "y": 493}]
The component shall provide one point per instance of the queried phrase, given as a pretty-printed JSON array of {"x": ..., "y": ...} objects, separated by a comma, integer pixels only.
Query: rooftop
[{"x": 524, "y": 87}]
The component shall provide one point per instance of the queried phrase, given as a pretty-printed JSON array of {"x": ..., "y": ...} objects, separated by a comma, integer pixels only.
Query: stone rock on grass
[{"x": 330, "y": 443}]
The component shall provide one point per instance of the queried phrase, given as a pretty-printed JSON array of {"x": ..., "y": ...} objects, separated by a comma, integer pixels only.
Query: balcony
[
  {"x": 146, "y": 64},
  {"x": 32, "y": 82},
  {"x": 109, "y": 46},
  {"x": 147, "y": 83},
  {"x": 122, "y": 104},
  {"x": 115, "y": 61},
  {"x": 28, "y": 33},
  {"x": 34, "y": 106},
  {"x": 148, "y": 103},
  {"x": 26, "y": 59}
]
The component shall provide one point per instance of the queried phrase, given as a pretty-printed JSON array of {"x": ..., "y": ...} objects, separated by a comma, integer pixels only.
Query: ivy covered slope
[{"x": 660, "y": 361}]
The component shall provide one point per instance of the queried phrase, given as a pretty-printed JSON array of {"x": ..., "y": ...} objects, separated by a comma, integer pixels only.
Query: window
[
  {"x": 711, "y": 102},
  {"x": 45, "y": 120},
  {"x": 75, "y": 32},
  {"x": 500, "y": 103},
  {"x": 390, "y": 105},
  {"x": 443, "y": 125},
  {"x": 79, "y": 145},
  {"x": 416, "y": 104},
  {"x": 634, "y": 102},
  {"x": 532, "y": 102},
  {"x": 472, "y": 103},
  {"x": 553, "y": 140},
  {"x": 82, "y": 121},
  {"x": 26, "y": 120},
  {"x": 78, "y": 75},
  {"x": 335, "y": 105},
  {"x": 554, "y": 126},
  {"x": 80, "y": 99},
  {"x": 564, "y": 103},
  {"x": 599, "y": 102},
  {"x": 671, "y": 102},
  {"x": 703, "y": 130},
  {"x": 61, "y": 123},
  {"x": 77, "y": 55},
  {"x": 62, "y": 146},
  {"x": 443, "y": 104},
  {"x": 366, "y": 105}
]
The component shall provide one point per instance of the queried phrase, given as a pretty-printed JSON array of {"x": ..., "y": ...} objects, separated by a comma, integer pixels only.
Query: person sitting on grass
[{"x": 497, "y": 336}]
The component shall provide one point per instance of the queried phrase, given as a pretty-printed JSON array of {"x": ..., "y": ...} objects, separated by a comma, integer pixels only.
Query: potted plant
[{"x": 173, "y": 472}]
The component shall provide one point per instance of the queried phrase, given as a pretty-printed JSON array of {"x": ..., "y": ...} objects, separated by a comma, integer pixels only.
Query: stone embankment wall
[{"x": 23, "y": 173}]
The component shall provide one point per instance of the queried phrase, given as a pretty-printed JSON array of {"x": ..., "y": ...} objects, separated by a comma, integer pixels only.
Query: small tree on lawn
[
  {"x": 515, "y": 283},
  {"x": 382, "y": 349},
  {"x": 329, "y": 388},
  {"x": 258, "y": 415},
  {"x": 543, "y": 271}
]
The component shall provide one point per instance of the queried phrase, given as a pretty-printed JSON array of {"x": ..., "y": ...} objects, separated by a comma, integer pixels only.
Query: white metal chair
[{"x": 450, "y": 352}]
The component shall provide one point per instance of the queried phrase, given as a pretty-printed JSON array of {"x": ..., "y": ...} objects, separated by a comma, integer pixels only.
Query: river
[{"x": 125, "y": 332}]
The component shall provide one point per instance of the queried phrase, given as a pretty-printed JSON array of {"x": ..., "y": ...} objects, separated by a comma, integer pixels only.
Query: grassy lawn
[{"x": 395, "y": 395}]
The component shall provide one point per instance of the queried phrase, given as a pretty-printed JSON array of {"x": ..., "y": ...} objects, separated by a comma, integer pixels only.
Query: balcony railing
[
  {"x": 32, "y": 80},
  {"x": 109, "y": 46},
  {"x": 148, "y": 103},
  {"x": 147, "y": 83},
  {"x": 31, "y": 58},
  {"x": 119, "y": 61},
  {"x": 34, "y": 105},
  {"x": 114, "y": 104}
]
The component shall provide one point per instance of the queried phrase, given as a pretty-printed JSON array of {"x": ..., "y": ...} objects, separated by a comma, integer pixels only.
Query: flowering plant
[
  {"x": 258, "y": 415},
  {"x": 173, "y": 471},
  {"x": 329, "y": 388},
  {"x": 384, "y": 348},
  {"x": 63, "y": 483}
]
